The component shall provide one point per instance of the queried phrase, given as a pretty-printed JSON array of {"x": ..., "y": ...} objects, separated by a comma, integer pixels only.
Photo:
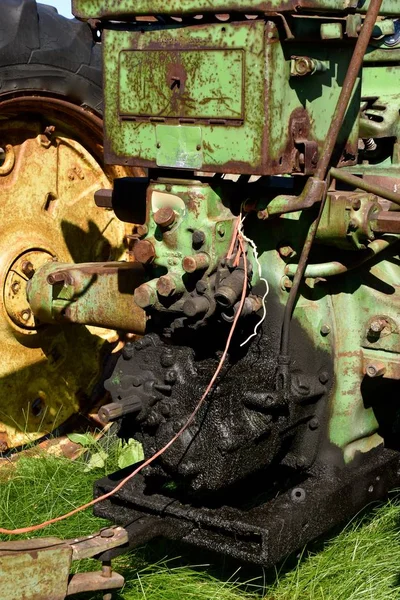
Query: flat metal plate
[
  {"x": 35, "y": 573},
  {"x": 179, "y": 147}
]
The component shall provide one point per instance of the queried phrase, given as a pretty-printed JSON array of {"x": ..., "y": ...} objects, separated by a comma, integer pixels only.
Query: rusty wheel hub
[{"x": 48, "y": 175}]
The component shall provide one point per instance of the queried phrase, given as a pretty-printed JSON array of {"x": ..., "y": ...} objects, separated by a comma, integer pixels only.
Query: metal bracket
[{"x": 42, "y": 566}]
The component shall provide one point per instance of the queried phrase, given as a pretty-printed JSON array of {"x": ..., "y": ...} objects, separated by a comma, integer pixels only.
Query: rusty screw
[
  {"x": 166, "y": 286},
  {"x": 144, "y": 252},
  {"x": 15, "y": 287},
  {"x": 165, "y": 216},
  {"x": 375, "y": 369},
  {"x": 377, "y": 326},
  {"x": 28, "y": 269},
  {"x": 286, "y": 252},
  {"x": 356, "y": 204}
]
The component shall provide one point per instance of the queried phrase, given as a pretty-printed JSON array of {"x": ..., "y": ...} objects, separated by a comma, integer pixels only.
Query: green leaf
[
  {"x": 83, "y": 439},
  {"x": 97, "y": 461},
  {"x": 130, "y": 453}
]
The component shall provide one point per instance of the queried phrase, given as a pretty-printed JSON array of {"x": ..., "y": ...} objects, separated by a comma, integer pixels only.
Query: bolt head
[
  {"x": 286, "y": 251},
  {"x": 164, "y": 217},
  {"x": 313, "y": 424},
  {"x": 144, "y": 296},
  {"x": 144, "y": 252},
  {"x": 356, "y": 204},
  {"x": 375, "y": 369},
  {"x": 107, "y": 533},
  {"x": 26, "y": 315},
  {"x": 189, "y": 264},
  {"x": 325, "y": 330},
  {"x": 28, "y": 269},
  {"x": 287, "y": 283},
  {"x": 377, "y": 326},
  {"x": 324, "y": 377},
  {"x": 201, "y": 287},
  {"x": 166, "y": 286},
  {"x": 141, "y": 230}
]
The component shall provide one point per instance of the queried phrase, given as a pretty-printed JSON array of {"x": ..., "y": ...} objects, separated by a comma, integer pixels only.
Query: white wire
[{"x": 255, "y": 252}]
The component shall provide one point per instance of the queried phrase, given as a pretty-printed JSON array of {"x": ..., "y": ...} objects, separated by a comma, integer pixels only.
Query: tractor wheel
[{"x": 50, "y": 166}]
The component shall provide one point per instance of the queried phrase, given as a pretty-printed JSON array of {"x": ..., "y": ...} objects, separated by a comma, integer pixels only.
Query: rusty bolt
[
  {"x": 375, "y": 369},
  {"x": 356, "y": 204},
  {"x": 190, "y": 264},
  {"x": 166, "y": 286},
  {"x": 287, "y": 283},
  {"x": 164, "y": 217},
  {"x": 377, "y": 326},
  {"x": 141, "y": 230},
  {"x": 144, "y": 296},
  {"x": 303, "y": 65},
  {"x": 26, "y": 314},
  {"x": 16, "y": 287},
  {"x": 144, "y": 252},
  {"x": 325, "y": 330},
  {"x": 28, "y": 269},
  {"x": 286, "y": 252},
  {"x": 107, "y": 533}
]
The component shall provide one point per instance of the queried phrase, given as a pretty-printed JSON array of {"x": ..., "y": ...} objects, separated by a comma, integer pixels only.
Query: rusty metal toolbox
[{"x": 218, "y": 97}]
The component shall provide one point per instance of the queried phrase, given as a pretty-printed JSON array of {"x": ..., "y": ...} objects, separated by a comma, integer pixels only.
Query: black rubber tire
[{"x": 43, "y": 53}]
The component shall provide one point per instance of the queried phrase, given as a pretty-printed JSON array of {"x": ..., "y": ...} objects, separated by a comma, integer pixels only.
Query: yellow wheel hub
[{"x": 47, "y": 181}]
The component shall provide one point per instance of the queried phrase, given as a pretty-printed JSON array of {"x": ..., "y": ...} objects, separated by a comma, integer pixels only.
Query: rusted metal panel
[
  {"x": 200, "y": 97},
  {"x": 86, "y": 9},
  {"x": 38, "y": 570}
]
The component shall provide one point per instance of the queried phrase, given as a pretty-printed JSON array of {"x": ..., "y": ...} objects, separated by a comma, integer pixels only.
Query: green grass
[{"x": 361, "y": 563}]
